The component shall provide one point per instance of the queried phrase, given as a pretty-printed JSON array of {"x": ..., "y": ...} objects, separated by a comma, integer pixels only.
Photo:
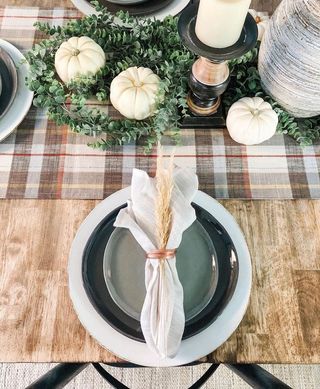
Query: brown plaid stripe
[{"x": 42, "y": 160}]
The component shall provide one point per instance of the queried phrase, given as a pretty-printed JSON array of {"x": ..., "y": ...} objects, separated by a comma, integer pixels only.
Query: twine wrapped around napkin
[{"x": 157, "y": 214}]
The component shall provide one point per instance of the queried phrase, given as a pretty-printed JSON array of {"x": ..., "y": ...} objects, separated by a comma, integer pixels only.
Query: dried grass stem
[{"x": 163, "y": 212}]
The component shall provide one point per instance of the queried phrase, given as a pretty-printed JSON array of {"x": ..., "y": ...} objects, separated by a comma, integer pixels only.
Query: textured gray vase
[{"x": 289, "y": 59}]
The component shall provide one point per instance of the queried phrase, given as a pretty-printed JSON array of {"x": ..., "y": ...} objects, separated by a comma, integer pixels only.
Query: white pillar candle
[{"x": 220, "y": 22}]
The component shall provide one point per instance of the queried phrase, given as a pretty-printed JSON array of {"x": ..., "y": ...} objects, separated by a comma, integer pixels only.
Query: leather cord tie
[{"x": 161, "y": 254}]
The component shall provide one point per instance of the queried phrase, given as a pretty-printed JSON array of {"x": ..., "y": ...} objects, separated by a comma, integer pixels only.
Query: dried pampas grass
[{"x": 164, "y": 185}]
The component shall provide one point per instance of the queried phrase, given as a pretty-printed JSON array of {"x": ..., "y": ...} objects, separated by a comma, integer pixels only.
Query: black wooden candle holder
[{"x": 210, "y": 76}]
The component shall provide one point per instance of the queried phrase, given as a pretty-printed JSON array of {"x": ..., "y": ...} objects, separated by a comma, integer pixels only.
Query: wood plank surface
[{"x": 38, "y": 323}]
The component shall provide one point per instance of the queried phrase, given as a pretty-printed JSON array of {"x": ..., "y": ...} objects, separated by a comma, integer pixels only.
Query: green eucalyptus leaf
[{"x": 137, "y": 42}]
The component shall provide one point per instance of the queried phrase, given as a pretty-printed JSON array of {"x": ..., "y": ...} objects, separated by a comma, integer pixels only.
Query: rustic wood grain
[
  {"x": 283, "y": 315},
  {"x": 38, "y": 323}
]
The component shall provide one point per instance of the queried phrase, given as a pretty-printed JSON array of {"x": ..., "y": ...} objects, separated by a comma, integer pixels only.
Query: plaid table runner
[{"x": 42, "y": 160}]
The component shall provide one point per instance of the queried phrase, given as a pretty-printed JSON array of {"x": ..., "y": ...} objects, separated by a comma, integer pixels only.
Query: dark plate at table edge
[
  {"x": 8, "y": 86},
  {"x": 146, "y": 8}
]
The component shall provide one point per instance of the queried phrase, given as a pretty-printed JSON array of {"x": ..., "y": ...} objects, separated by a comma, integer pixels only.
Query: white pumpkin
[
  {"x": 262, "y": 20},
  {"x": 133, "y": 92},
  {"x": 251, "y": 121},
  {"x": 78, "y": 56}
]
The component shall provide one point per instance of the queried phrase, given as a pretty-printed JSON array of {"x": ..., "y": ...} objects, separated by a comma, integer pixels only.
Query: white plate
[
  {"x": 172, "y": 9},
  {"x": 23, "y": 99},
  {"x": 192, "y": 348}
]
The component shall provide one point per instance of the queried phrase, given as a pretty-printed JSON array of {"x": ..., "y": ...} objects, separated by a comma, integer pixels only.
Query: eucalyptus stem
[{"x": 137, "y": 42}]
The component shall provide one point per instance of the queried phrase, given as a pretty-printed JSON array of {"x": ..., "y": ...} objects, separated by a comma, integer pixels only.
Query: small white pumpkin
[
  {"x": 262, "y": 20},
  {"x": 133, "y": 92},
  {"x": 78, "y": 56},
  {"x": 251, "y": 121}
]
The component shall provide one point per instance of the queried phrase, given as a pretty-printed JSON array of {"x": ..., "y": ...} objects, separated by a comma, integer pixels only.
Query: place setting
[
  {"x": 149, "y": 302},
  {"x": 15, "y": 97},
  {"x": 126, "y": 297},
  {"x": 156, "y": 125},
  {"x": 142, "y": 8}
]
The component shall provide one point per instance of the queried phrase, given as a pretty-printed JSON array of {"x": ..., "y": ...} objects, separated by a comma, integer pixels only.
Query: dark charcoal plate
[
  {"x": 9, "y": 81},
  {"x": 141, "y": 9},
  {"x": 126, "y": 2},
  {"x": 98, "y": 293}
]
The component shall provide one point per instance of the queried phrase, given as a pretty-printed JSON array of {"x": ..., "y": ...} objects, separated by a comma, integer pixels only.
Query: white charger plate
[
  {"x": 172, "y": 9},
  {"x": 23, "y": 99},
  {"x": 192, "y": 348}
]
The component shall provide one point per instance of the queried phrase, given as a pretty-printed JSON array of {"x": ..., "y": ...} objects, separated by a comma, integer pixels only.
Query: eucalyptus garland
[{"x": 129, "y": 41}]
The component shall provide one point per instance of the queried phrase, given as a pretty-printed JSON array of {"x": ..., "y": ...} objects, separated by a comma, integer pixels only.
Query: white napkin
[{"x": 162, "y": 317}]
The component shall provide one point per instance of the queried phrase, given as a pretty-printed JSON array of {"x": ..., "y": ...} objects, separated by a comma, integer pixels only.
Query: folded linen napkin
[{"x": 162, "y": 317}]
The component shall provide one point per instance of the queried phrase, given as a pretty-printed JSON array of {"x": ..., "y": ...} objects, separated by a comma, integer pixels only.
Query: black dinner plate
[
  {"x": 9, "y": 81},
  {"x": 97, "y": 291},
  {"x": 140, "y": 9}
]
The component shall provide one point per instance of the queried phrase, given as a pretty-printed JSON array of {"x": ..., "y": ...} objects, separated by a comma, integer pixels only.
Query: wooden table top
[
  {"x": 37, "y": 320},
  {"x": 38, "y": 323}
]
